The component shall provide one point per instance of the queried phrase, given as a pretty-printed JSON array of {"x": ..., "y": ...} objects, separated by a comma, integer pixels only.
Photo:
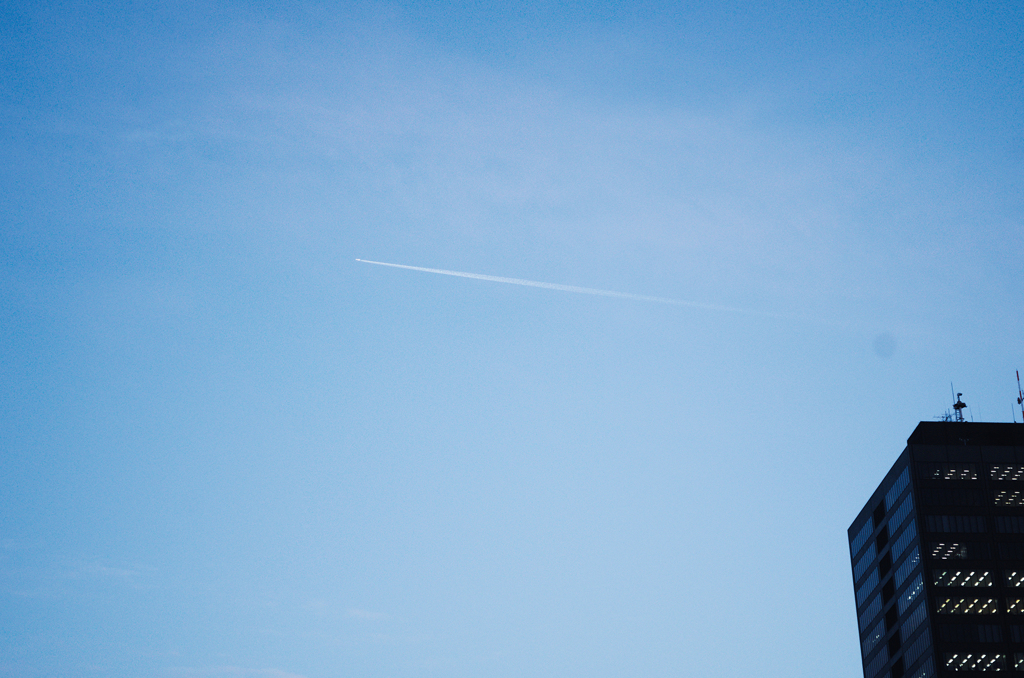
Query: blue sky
[{"x": 229, "y": 449}]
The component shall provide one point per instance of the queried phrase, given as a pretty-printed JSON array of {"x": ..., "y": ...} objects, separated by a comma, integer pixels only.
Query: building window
[
  {"x": 865, "y": 589},
  {"x": 1011, "y": 551},
  {"x": 904, "y": 540},
  {"x": 1010, "y": 524},
  {"x": 914, "y": 619},
  {"x": 914, "y": 652},
  {"x": 901, "y": 514},
  {"x": 877, "y": 663},
  {"x": 1009, "y": 498},
  {"x": 966, "y": 661},
  {"x": 864, "y": 563},
  {"x": 904, "y": 570},
  {"x": 861, "y": 537},
  {"x": 1015, "y": 606},
  {"x": 944, "y": 551},
  {"x": 897, "y": 489},
  {"x": 1014, "y": 578},
  {"x": 870, "y": 612},
  {"x": 872, "y": 639},
  {"x": 908, "y": 594},
  {"x": 927, "y": 670},
  {"x": 962, "y": 578},
  {"x": 969, "y": 633},
  {"x": 955, "y": 523},
  {"x": 950, "y": 472},
  {"x": 966, "y": 606},
  {"x": 990, "y": 633},
  {"x": 1018, "y": 661},
  {"x": 1004, "y": 472}
]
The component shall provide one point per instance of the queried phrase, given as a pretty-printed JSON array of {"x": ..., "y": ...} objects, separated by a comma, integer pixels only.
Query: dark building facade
[{"x": 938, "y": 556}]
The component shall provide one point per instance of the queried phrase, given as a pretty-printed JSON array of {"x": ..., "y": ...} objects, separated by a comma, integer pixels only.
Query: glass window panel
[
  {"x": 990, "y": 633},
  {"x": 913, "y": 619},
  {"x": 951, "y": 472},
  {"x": 1009, "y": 498},
  {"x": 897, "y": 489},
  {"x": 1011, "y": 551},
  {"x": 870, "y": 612},
  {"x": 1006, "y": 472},
  {"x": 1010, "y": 524},
  {"x": 975, "y": 661},
  {"x": 914, "y": 652},
  {"x": 862, "y": 537},
  {"x": 948, "y": 551},
  {"x": 865, "y": 589},
  {"x": 901, "y": 514},
  {"x": 861, "y": 566},
  {"x": 1014, "y": 578},
  {"x": 1015, "y": 606},
  {"x": 927, "y": 670},
  {"x": 956, "y": 605},
  {"x": 876, "y": 664},
  {"x": 1018, "y": 661},
  {"x": 904, "y": 540},
  {"x": 908, "y": 594},
  {"x": 872, "y": 639},
  {"x": 955, "y": 523},
  {"x": 962, "y": 578},
  {"x": 904, "y": 570}
]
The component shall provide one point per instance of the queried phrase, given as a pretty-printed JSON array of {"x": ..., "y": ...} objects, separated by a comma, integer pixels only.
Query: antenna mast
[
  {"x": 959, "y": 405},
  {"x": 1020, "y": 395}
]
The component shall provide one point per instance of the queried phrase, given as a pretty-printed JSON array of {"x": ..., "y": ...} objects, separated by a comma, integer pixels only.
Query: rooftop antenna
[
  {"x": 1020, "y": 398},
  {"x": 959, "y": 405}
]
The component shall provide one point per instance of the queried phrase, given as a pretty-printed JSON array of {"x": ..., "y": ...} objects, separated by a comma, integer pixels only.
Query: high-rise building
[{"x": 938, "y": 556}]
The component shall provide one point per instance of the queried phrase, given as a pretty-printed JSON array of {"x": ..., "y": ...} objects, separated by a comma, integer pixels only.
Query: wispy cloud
[{"x": 572, "y": 288}]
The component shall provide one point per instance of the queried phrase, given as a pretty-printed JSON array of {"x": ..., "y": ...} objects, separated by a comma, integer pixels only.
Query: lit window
[
  {"x": 1018, "y": 661},
  {"x": 962, "y": 578},
  {"x": 967, "y": 606},
  {"x": 904, "y": 570},
  {"x": 945, "y": 551},
  {"x": 927, "y": 670},
  {"x": 1015, "y": 606},
  {"x": 964, "y": 661},
  {"x": 1003, "y": 472},
  {"x": 1014, "y": 578},
  {"x": 872, "y": 639},
  {"x": 1009, "y": 498},
  {"x": 951, "y": 472},
  {"x": 907, "y": 595},
  {"x": 908, "y": 535}
]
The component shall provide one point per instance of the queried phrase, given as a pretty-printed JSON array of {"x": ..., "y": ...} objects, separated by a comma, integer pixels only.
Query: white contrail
[{"x": 573, "y": 288}]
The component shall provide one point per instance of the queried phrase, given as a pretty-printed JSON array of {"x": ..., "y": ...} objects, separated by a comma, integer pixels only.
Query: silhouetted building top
[{"x": 938, "y": 556}]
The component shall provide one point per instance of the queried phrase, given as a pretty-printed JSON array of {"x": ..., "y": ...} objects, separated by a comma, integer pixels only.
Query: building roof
[{"x": 966, "y": 433}]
